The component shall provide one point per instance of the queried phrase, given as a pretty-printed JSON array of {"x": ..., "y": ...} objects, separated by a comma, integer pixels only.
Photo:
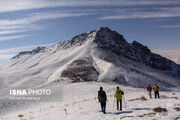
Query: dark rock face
[
  {"x": 78, "y": 74},
  {"x": 81, "y": 70},
  {"x": 106, "y": 36},
  {"x": 111, "y": 40},
  {"x": 140, "y": 48},
  {"x": 34, "y": 51}
]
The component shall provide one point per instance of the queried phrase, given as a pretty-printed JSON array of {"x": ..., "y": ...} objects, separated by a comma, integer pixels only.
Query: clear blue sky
[{"x": 25, "y": 24}]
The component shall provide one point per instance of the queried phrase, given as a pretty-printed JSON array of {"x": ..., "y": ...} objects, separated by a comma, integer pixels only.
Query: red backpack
[{"x": 149, "y": 88}]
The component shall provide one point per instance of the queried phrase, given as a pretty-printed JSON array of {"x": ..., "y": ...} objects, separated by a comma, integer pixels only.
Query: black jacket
[{"x": 102, "y": 96}]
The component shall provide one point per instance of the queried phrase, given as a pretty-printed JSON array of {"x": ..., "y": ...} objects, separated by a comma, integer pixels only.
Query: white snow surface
[{"x": 80, "y": 103}]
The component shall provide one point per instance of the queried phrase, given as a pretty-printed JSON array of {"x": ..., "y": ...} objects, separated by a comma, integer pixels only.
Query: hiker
[
  {"x": 102, "y": 99},
  {"x": 156, "y": 91},
  {"x": 149, "y": 89},
  {"x": 118, "y": 95}
]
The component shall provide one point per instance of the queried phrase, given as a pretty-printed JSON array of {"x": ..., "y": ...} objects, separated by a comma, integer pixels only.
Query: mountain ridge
[
  {"x": 98, "y": 55},
  {"x": 115, "y": 42}
]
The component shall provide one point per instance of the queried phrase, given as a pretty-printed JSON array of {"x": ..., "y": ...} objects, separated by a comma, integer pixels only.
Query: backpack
[
  {"x": 149, "y": 88},
  {"x": 122, "y": 92},
  {"x": 102, "y": 96},
  {"x": 118, "y": 94}
]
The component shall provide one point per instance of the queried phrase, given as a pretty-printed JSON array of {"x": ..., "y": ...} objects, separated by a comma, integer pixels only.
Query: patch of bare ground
[
  {"x": 177, "y": 118},
  {"x": 174, "y": 97},
  {"x": 147, "y": 114},
  {"x": 177, "y": 108},
  {"x": 164, "y": 96},
  {"x": 141, "y": 98},
  {"x": 126, "y": 117},
  {"x": 20, "y": 115},
  {"x": 159, "y": 109}
]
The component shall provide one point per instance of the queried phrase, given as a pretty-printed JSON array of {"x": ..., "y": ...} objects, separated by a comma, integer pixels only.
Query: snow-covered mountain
[
  {"x": 170, "y": 54},
  {"x": 98, "y": 55}
]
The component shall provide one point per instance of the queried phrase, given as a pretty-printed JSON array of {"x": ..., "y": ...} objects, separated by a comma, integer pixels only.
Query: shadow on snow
[{"x": 120, "y": 112}]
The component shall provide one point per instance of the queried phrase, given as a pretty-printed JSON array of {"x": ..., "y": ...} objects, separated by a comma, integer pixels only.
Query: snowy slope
[
  {"x": 82, "y": 104},
  {"x": 170, "y": 54}
]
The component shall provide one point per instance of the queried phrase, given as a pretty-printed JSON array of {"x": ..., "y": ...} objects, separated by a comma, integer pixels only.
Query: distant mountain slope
[
  {"x": 98, "y": 55},
  {"x": 170, "y": 54}
]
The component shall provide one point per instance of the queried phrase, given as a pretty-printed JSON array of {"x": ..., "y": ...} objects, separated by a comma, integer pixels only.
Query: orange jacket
[{"x": 155, "y": 88}]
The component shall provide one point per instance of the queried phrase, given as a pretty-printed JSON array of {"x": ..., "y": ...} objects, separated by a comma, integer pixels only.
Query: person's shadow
[{"x": 119, "y": 112}]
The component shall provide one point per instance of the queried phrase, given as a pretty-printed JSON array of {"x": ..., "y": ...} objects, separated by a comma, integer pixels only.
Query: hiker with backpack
[
  {"x": 102, "y": 99},
  {"x": 149, "y": 89},
  {"x": 118, "y": 95},
  {"x": 156, "y": 91}
]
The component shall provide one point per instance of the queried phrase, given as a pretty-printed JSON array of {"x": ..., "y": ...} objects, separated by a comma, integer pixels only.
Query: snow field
[{"x": 80, "y": 103}]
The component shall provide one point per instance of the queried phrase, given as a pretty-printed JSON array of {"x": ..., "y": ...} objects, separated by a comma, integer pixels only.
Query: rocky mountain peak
[
  {"x": 105, "y": 35},
  {"x": 101, "y": 36}
]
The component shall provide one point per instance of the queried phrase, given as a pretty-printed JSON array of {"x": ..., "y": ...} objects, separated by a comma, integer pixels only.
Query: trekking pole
[
  {"x": 124, "y": 101},
  {"x": 114, "y": 105}
]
